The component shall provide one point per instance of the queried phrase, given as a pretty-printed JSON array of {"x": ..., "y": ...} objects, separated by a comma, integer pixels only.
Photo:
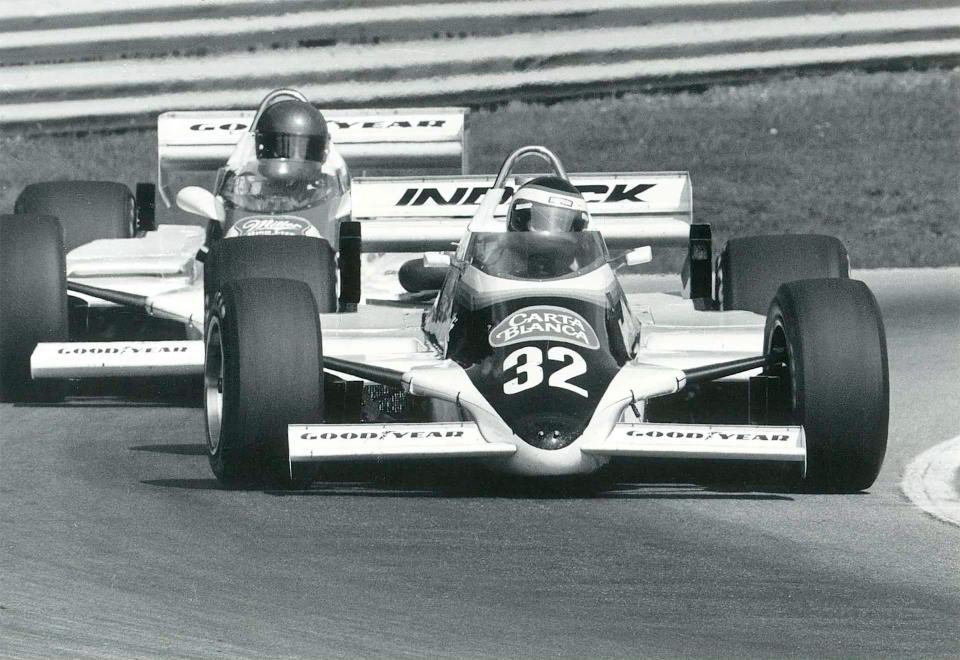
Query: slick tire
[
  {"x": 750, "y": 269},
  {"x": 263, "y": 371},
  {"x": 33, "y": 302},
  {"x": 836, "y": 380},
  {"x": 87, "y": 210},
  {"x": 301, "y": 258}
]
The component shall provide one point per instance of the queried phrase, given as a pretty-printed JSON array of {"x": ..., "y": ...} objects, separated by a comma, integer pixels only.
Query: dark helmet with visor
[
  {"x": 547, "y": 204},
  {"x": 292, "y": 139}
]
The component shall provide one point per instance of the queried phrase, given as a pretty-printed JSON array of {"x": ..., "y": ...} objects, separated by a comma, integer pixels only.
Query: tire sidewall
[
  {"x": 33, "y": 303},
  {"x": 838, "y": 377},
  {"x": 87, "y": 210},
  {"x": 216, "y": 319},
  {"x": 272, "y": 377}
]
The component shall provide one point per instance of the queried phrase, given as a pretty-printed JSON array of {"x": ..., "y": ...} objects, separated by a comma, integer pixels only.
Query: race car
[
  {"x": 517, "y": 345},
  {"x": 281, "y": 171}
]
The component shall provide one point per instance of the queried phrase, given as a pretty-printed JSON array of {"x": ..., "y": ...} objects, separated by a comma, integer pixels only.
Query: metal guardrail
[{"x": 67, "y": 62}]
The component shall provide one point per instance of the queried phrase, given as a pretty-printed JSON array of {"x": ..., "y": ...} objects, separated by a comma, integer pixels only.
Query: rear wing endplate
[
  {"x": 419, "y": 138},
  {"x": 410, "y": 214}
]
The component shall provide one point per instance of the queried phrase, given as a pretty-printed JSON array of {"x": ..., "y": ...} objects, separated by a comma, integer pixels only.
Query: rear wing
[
  {"x": 411, "y": 214},
  {"x": 421, "y": 138}
]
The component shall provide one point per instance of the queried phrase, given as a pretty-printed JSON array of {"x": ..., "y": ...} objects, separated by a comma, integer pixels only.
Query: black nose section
[
  {"x": 542, "y": 363},
  {"x": 548, "y": 431}
]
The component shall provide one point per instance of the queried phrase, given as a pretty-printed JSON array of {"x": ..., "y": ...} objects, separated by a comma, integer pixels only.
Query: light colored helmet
[{"x": 547, "y": 204}]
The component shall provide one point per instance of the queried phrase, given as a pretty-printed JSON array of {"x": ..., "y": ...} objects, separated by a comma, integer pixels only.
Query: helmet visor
[
  {"x": 293, "y": 147},
  {"x": 535, "y": 216}
]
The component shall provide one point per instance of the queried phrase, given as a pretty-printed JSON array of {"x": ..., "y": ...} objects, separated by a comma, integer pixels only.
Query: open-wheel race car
[{"x": 516, "y": 345}]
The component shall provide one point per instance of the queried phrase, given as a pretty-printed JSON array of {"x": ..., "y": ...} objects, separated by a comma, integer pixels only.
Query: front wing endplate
[{"x": 698, "y": 441}]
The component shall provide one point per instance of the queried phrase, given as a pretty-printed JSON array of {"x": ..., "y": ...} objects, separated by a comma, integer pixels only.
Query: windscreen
[
  {"x": 530, "y": 255},
  {"x": 252, "y": 188}
]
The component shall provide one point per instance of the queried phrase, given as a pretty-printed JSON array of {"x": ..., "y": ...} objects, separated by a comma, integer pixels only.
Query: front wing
[
  {"x": 340, "y": 442},
  {"x": 697, "y": 441},
  {"x": 326, "y": 442}
]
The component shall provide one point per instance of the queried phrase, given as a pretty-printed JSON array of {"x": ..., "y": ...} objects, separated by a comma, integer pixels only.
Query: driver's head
[
  {"x": 547, "y": 204},
  {"x": 292, "y": 140}
]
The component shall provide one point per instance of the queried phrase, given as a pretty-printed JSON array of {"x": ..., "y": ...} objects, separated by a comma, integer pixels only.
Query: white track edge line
[{"x": 929, "y": 481}]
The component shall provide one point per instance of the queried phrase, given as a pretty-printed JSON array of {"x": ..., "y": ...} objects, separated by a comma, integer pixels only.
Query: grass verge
[{"x": 871, "y": 158}]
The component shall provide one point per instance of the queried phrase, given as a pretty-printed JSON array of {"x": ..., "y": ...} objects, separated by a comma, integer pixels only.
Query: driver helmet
[
  {"x": 292, "y": 140},
  {"x": 547, "y": 204}
]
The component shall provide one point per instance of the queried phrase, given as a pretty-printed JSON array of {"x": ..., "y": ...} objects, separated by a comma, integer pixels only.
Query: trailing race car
[
  {"x": 517, "y": 345},
  {"x": 281, "y": 176}
]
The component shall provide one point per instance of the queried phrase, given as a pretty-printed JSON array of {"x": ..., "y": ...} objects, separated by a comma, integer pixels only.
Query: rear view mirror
[
  {"x": 436, "y": 260},
  {"x": 637, "y": 256},
  {"x": 202, "y": 202},
  {"x": 634, "y": 257}
]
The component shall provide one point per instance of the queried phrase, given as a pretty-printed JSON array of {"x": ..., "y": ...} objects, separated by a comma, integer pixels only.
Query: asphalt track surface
[{"x": 115, "y": 541}]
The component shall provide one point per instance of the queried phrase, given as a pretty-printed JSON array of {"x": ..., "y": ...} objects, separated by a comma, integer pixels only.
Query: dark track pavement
[{"x": 116, "y": 542}]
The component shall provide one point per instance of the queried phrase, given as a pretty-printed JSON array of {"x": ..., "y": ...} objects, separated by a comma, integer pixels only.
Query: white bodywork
[
  {"x": 421, "y": 138},
  {"x": 437, "y": 213},
  {"x": 331, "y": 441}
]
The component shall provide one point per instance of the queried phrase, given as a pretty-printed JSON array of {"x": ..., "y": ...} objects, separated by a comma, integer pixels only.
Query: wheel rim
[
  {"x": 718, "y": 285},
  {"x": 779, "y": 343},
  {"x": 131, "y": 212},
  {"x": 213, "y": 385}
]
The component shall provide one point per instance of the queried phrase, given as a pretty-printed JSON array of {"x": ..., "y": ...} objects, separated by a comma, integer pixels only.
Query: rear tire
[
  {"x": 836, "y": 378},
  {"x": 33, "y": 302},
  {"x": 300, "y": 258},
  {"x": 263, "y": 371},
  {"x": 752, "y": 268},
  {"x": 87, "y": 210}
]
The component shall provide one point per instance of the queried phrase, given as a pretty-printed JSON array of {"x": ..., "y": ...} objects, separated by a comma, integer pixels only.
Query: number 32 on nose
[{"x": 528, "y": 362}]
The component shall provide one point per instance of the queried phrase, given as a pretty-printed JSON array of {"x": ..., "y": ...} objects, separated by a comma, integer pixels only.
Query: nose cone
[
  {"x": 548, "y": 430},
  {"x": 543, "y": 364}
]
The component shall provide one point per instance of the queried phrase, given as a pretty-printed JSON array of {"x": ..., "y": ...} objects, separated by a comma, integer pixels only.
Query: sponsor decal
[
  {"x": 462, "y": 196},
  {"x": 120, "y": 350},
  {"x": 711, "y": 435},
  {"x": 229, "y": 127},
  {"x": 342, "y": 125},
  {"x": 597, "y": 193},
  {"x": 272, "y": 225},
  {"x": 528, "y": 363},
  {"x": 402, "y": 123},
  {"x": 621, "y": 192},
  {"x": 380, "y": 435},
  {"x": 544, "y": 323}
]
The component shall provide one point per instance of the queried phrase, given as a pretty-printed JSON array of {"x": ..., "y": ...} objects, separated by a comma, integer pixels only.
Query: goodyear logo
[
  {"x": 544, "y": 323},
  {"x": 380, "y": 124},
  {"x": 232, "y": 127},
  {"x": 125, "y": 349},
  {"x": 709, "y": 436},
  {"x": 377, "y": 434}
]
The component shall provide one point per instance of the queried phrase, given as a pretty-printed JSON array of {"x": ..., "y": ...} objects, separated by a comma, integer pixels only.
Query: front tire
[
  {"x": 302, "y": 258},
  {"x": 836, "y": 377},
  {"x": 263, "y": 371},
  {"x": 33, "y": 302}
]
